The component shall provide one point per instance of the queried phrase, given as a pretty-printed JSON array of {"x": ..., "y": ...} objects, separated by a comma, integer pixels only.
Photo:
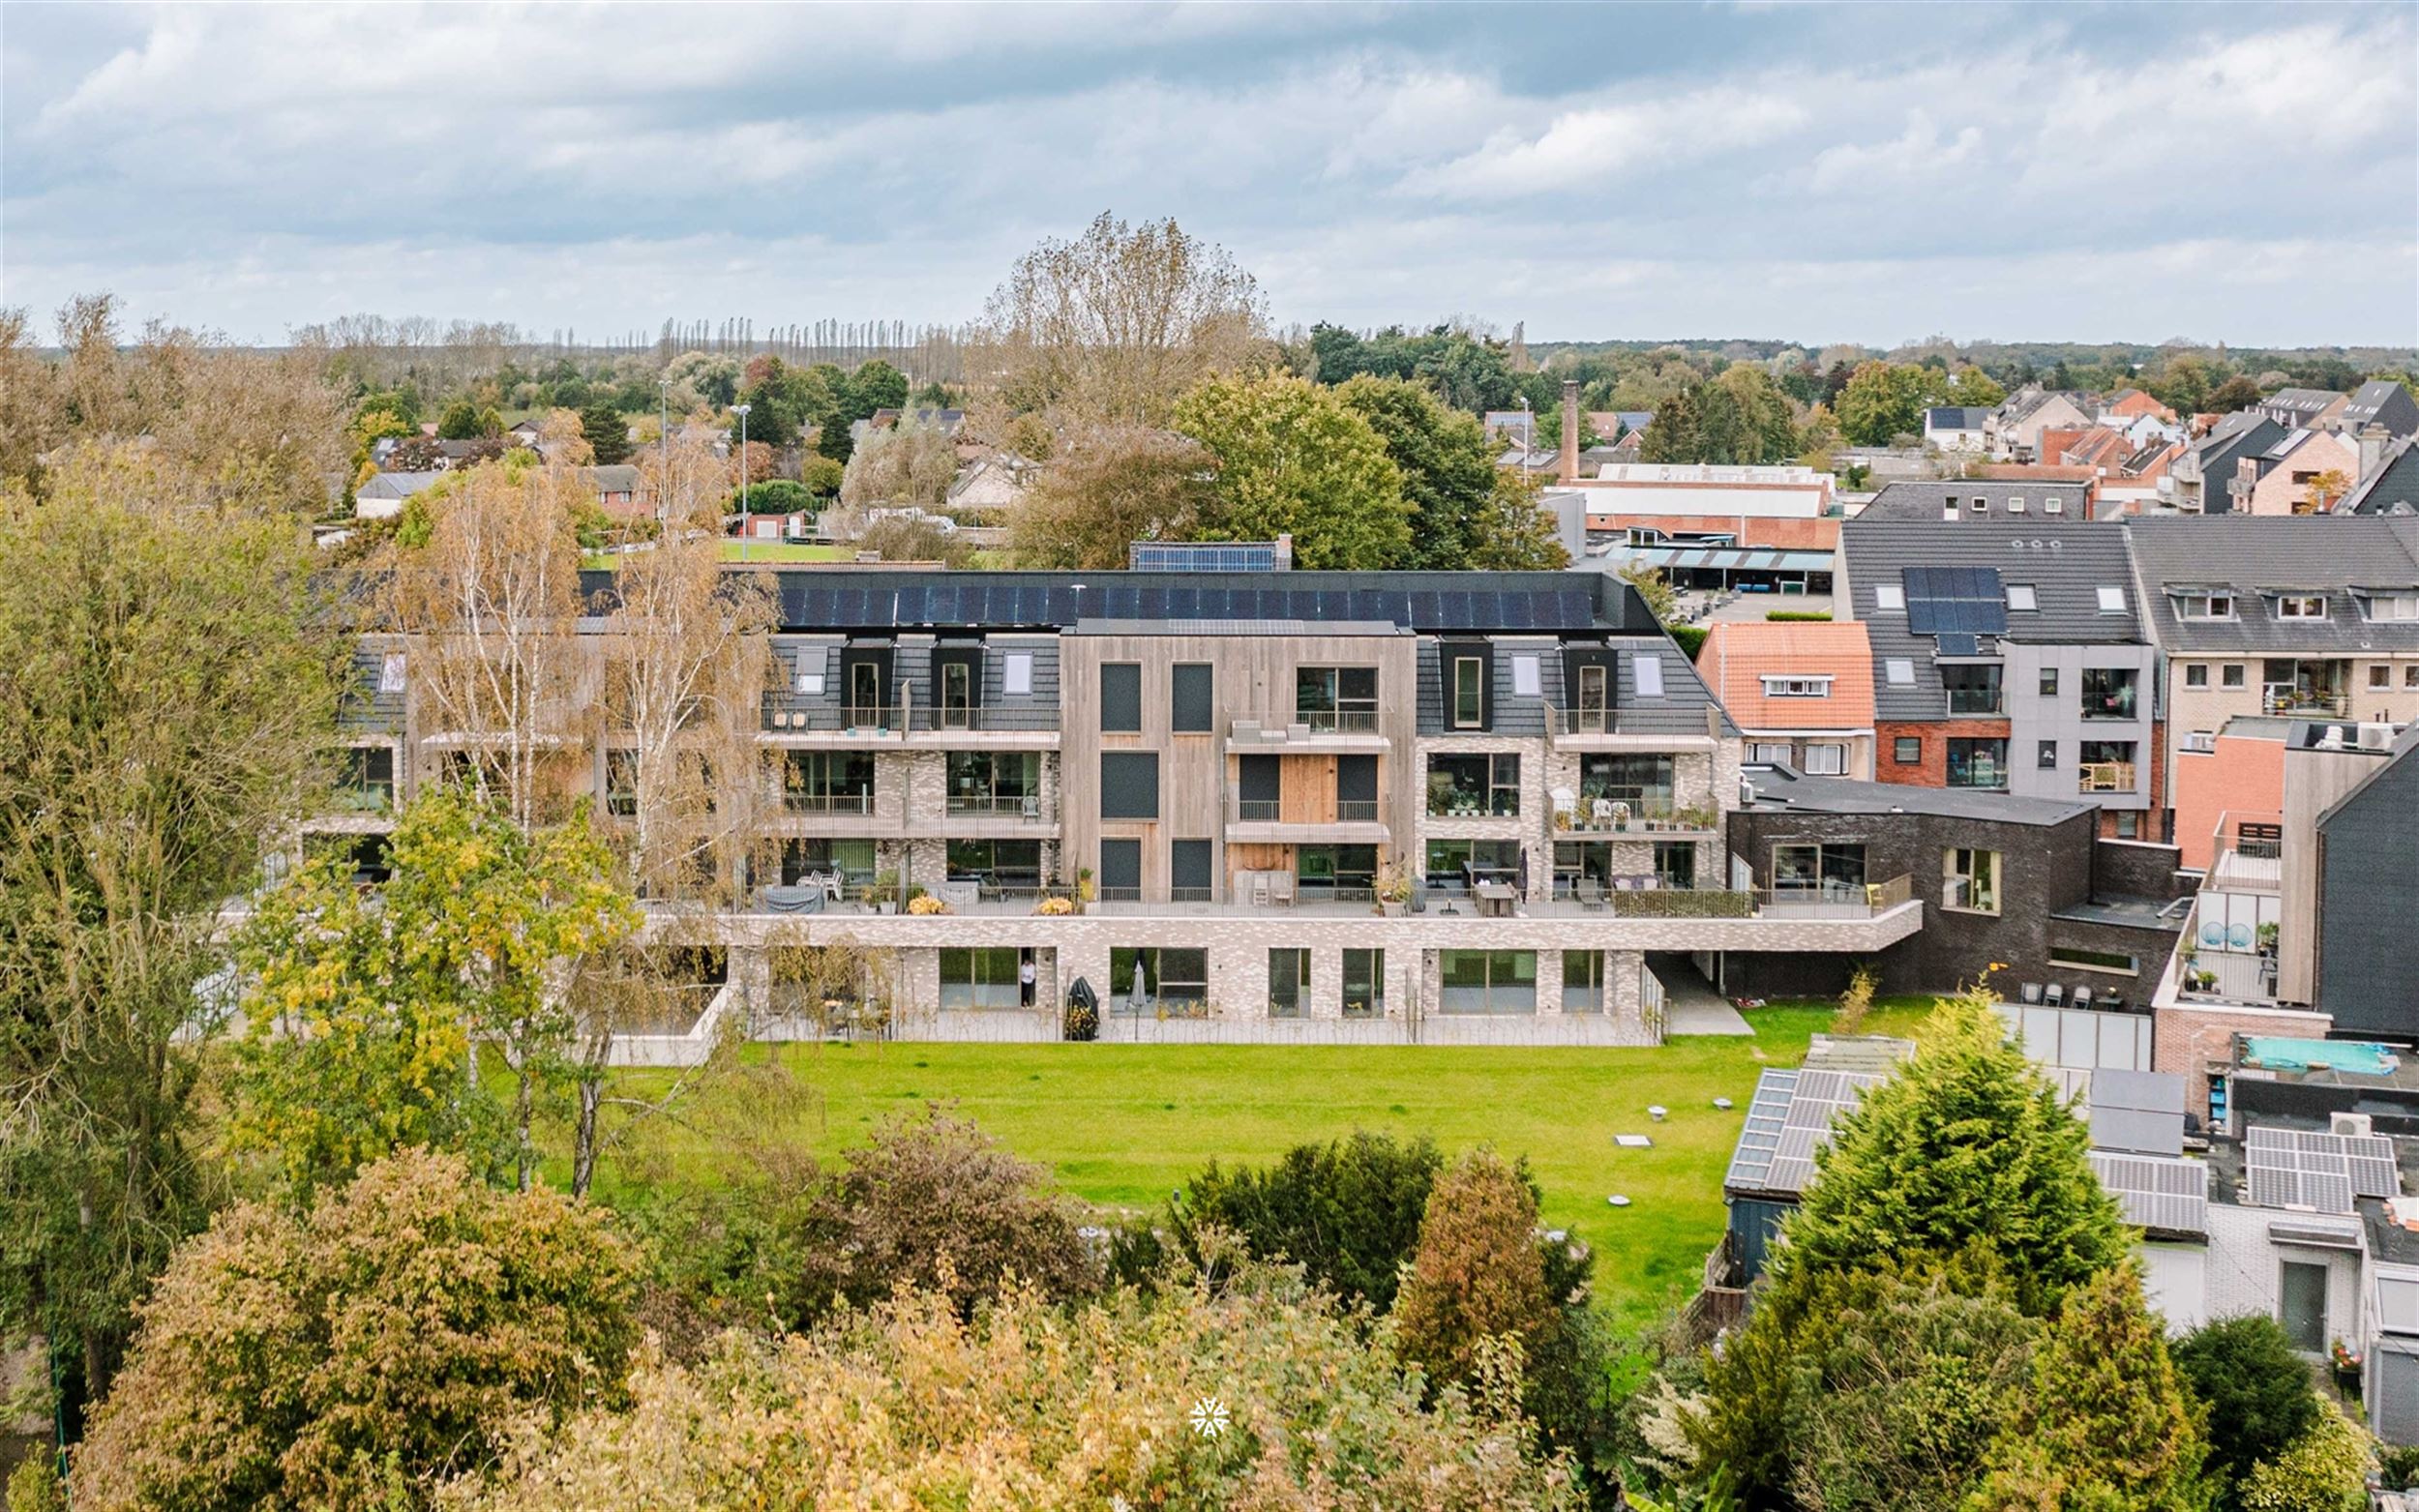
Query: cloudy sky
[{"x": 2240, "y": 173}]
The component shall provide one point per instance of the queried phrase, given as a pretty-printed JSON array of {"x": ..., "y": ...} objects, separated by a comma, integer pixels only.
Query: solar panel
[
  {"x": 1960, "y": 643},
  {"x": 2168, "y": 1194},
  {"x": 2294, "y": 1168},
  {"x": 1957, "y": 599}
]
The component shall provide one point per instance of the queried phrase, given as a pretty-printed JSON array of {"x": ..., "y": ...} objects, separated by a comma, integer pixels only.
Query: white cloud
[{"x": 1602, "y": 142}]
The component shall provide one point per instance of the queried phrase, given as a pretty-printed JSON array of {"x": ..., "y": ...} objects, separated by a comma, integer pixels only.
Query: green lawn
[
  {"x": 784, "y": 552},
  {"x": 1123, "y": 1125}
]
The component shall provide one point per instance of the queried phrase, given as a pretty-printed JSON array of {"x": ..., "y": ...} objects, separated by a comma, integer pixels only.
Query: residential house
[
  {"x": 2291, "y": 469},
  {"x": 2126, "y": 405},
  {"x": 1230, "y": 770},
  {"x": 998, "y": 481},
  {"x": 2312, "y": 616},
  {"x": 523, "y": 433},
  {"x": 2023, "y": 890},
  {"x": 2215, "y": 474},
  {"x": 617, "y": 486},
  {"x": 949, "y": 421},
  {"x": 2009, "y": 656},
  {"x": 1800, "y": 693},
  {"x": 2389, "y": 477},
  {"x": 2014, "y": 429},
  {"x": 2381, "y": 401},
  {"x": 2239, "y": 768},
  {"x": 2304, "y": 409},
  {"x": 1951, "y": 427},
  {"x": 383, "y": 495},
  {"x": 1514, "y": 427}
]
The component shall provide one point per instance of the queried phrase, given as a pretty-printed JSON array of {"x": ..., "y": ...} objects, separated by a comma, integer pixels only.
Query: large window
[
  {"x": 1363, "y": 984},
  {"x": 1145, "y": 979},
  {"x": 2107, "y": 766},
  {"x": 621, "y": 783},
  {"x": 994, "y": 781},
  {"x": 1121, "y": 879},
  {"x": 827, "y": 781},
  {"x": 852, "y": 860},
  {"x": 1336, "y": 698},
  {"x": 1189, "y": 868},
  {"x": 1289, "y": 982},
  {"x": 1972, "y": 882},
  {"x": 1583, "y": 981},
  {"x": 1458, "y": 863},
  {"x": 1349, "y": 872},
  {"x": 1122, "y": 697},
  {"x": 1468, "y": 692},
  {"x": 1977, "y": 763},
  {"x": 1807, "y": 867},
  {"x": 365, "y": 780},
  {"x": 2108, "y": 693},
  {"x": 1474, "y": 787},
  {"x": 1487, "y": 981},
  {"x": 1825, "y": 759},
  {"x": 1130, "y": 784},
  {"x": 999, "y": 865},
  {"x": 1191, "y": 706},
  {"x": 1641, "y": 780},
  {"x": 979, "y": 978},
  {"x": 1972, "y": 688},
  {"x": 1675, "y": 863}
]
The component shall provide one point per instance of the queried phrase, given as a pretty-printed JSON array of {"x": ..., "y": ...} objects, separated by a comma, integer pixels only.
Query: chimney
[
  {"x": 1282, "y": 555},
  {"x": 1570, "y": 431},
  {"x": 2372, "y": 442}
]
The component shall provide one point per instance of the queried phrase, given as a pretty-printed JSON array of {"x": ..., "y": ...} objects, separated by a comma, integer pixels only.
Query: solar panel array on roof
[
  {"x": 2137, "y": 1111},
  {"x": 2364, "y": 1161},
  {"x": 806, "y": 605},
  {"x": 1954, "y": 599},
  {"x": 2168, "y": 1194},
  {"x": 1202, "y": 556},
  {"x": 1952, "y": 644},
  {"x": 2284, "y": 1172},
  {"x": 1789, "y": 1119}
]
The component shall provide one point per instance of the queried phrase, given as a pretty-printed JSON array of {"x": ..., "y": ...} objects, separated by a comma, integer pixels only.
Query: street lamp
[
  {"x": 663, "y": 447},
  {"x": 1528, "y": 437},
  {"x": 746, "y": 525}
]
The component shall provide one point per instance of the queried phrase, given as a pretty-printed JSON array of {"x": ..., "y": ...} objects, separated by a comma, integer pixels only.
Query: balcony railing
[
  {"x": 827, "y": 802},
  {"x": 1002, "y": 806},
  {"x": 2106, "y": 777},
  {"x": 1974, "y": 700},
  {"x": 1349, "y": 722},
  {"x": 2291, "y": 701},
  {"x": 1272, "y": 811},
  {"x": 784, "y": 712},
  {"x": 1643, "y": 818},
  {"x": 1563, "y": 723},
  {"x": 1274, "y": 728},
  {"x": 367, "y": 798}
]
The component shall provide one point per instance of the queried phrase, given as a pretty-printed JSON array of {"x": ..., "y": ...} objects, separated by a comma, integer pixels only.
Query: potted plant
[
  {"x": 1085, "y": 891},
  {"x": 2267, "y": 938},
  {"x": 1056, "y": 905},
  {"x": 883, "y": 892},
  {"x": 924, "y": 905},
  {"x": 1393, "y": 889},
  {"x": 1621, "y": 816}
]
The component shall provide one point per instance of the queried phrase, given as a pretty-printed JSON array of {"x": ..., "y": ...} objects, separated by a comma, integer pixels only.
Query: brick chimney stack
[
  {"x": 2370, "y": 444},
  {"x": 1570, "y": 431}
]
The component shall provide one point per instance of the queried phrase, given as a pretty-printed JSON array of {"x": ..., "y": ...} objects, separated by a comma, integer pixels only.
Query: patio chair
[
  {"x": 1282, "y": 889},
  {"x": 1590, "y": 893},
  {"x": 2055, "y": 996},
  {"x": 2083, "y": 998},
  {"x": 2030, "y": 993}
]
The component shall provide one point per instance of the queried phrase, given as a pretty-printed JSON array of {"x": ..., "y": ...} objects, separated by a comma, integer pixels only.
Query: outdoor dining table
[{"x": 1495, "y": 898}]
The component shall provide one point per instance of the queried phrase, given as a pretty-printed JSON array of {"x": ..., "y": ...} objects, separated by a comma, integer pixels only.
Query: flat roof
[{"x": 1779, "y": 790}]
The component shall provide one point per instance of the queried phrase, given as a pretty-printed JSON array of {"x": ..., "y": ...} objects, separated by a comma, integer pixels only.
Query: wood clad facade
[{"x": 1252, "y": 676}]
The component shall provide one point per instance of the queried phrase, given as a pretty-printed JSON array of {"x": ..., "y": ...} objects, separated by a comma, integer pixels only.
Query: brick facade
[{"x": 1931, "y": 769}]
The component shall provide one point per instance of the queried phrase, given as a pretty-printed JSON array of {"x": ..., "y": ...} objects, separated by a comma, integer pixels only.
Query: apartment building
[
  {"x": 2009, "y": 656},
  {"x": 2295, "y": 616},
  {"x": 1475, "y": 807}
]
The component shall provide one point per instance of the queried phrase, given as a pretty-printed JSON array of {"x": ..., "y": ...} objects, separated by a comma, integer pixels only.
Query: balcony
[
  {"x": 2106, "y": 777},
  {"x": 982, "y": 815},
  {"x": 1278, "y": 821},
  {"x": 2299, "y": 701},
  {"x": 1631, "y": 819},
  {"x": 1630, "y": 728},
  {"x": 2247, "y": 852},
  {"x": 1306, "y": 732},
  {"x": 827, "y": 803},
  {"x": 1977, "y": 703},
  {"x": 795, "y": 720}
]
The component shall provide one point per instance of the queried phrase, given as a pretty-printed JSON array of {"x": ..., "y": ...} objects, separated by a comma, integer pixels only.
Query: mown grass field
[{"x": 1123, "y": 1126}]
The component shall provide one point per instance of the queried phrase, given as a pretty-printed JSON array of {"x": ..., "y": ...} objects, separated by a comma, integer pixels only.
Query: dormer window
[
  {"x": 2016, "y": 505},
  {"x": 1981, "y": 506},
  {"x": 1796, "y": 687},
  {"x": 2205, "y": 604},
  {"x": 2379, "y": 604},
  {"x": 2053, "y": 505},
  {"x": 2301, "y": 606}
]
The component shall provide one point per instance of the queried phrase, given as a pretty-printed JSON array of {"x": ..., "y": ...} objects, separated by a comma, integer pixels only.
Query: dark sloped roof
[
  {"x": 1926, "y": 500},
  {"x": 2257, "y": 555},
  {"x": 2382, "y": 401},
  {"x": 1781, "y": 790},
  {"x": 2392, "y": 488}
]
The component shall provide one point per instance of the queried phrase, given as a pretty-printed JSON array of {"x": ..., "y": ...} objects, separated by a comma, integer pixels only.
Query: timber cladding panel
[{"x": 1249, "y": 675}]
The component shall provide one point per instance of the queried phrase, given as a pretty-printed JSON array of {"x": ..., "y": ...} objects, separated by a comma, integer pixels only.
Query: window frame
[
  {"x": 1289, "y": 981},
  {"x": 1468, "y": 692},
  {"x": 1983, "y": 881}
]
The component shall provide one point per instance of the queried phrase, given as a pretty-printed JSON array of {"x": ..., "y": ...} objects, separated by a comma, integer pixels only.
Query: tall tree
[
  {"x": 169, "y": 688},
  {"x": 1109, "y": 490},
  {"x": 368, "y": 1353},
  {"x": 460, "y": 421},
  {"x": 1742, "y": 418},
  {"x": 1515, "y": 532},
  {"x": 2256, "y": 1388},
  {"x": 2107, "y": 1424},
  {"x": 489, "y": 606},
  {"x": 1347, "y": 1211},
  {"x": 1884, "y": 400},
  {"x": 1477, "y": 1274},
  {"x": 608, "y": 433},
  {"x": 875, "y": 385},
  {"x": 1447, "y": 463},
  {"x": 903, "y": 463},
  {"x": 1966, "y": 1144},
  {"x": 1113, "y": 327},
  {"x": 1294, "y": 460}
]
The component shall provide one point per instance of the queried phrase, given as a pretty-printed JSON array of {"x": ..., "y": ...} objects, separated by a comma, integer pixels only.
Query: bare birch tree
[
  {"x": 1112, "y": 327},
  {"x": 491, "y": 606}
]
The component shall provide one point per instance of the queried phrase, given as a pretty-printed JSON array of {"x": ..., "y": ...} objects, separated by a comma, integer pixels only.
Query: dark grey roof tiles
[
  {"x": 1772, "y": 790},
  {"x": 2256, "y": 555},
  {"x": 1929, "y": 501}
]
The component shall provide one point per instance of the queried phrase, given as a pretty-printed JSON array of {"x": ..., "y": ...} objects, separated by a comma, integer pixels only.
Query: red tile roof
[{"x": 1738, "y": 655}]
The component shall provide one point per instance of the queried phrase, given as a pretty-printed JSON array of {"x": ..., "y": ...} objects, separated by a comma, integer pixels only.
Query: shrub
[
  {"x": 1857, "y": 1001},
  {"x": 775, "y": 497},
  {"x": 1690, "y": 639},
  {"x": 1477, "y": 1274},
  {"x": 910, "y": 1405},
  {"x": 2256, "y": 1388},
  {"x": 388, "y": 1340},
  {"x": 1348, "y": 1211},
  {"x": 1797, "y": 616},
  {"x": 2400, "y": 1468},
  {"x": 2323, "y": 1470},
  {"x": 925, "y": 905},
  {"x": 936, "y": 1202}
]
